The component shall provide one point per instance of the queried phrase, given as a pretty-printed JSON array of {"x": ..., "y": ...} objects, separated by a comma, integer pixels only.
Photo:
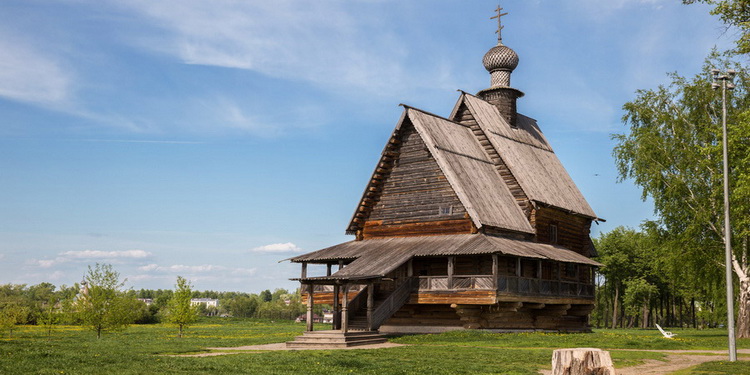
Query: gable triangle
[{"x": 409, "y": 193}]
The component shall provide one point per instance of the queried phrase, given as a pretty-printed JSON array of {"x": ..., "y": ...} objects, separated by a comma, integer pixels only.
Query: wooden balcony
[{"x": 507, "y": 285}]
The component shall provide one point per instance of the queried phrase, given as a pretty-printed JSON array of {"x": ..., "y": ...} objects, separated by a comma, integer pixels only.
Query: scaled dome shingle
[{"x": 500, "y": 57}]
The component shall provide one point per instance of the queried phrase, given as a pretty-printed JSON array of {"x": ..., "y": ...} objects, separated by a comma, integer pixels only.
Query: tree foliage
[
  {"x": 102, "y": 305},
  {"x": 12, "y": 312},
  {"x": 735, "y": 14},
  {"x": 673, "y": 151},
  {"x": 179, "y": 310}
]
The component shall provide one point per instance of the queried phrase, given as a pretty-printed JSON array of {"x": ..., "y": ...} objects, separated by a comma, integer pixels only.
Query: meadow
[{"x": 149, "y": 348}]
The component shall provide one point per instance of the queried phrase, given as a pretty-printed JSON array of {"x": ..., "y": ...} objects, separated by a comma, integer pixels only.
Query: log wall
[
  {"x": 572, "y": 230},
  {"x": 501, "y": 316},
  {"x": 416, "y": 190}
]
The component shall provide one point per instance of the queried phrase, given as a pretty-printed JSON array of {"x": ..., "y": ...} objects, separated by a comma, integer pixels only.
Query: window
[
  {"x": 553, "y": 233},
  {"x": 445, "y": 211}
]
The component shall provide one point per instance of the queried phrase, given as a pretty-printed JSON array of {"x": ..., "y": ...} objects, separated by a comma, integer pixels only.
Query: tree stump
[{"x": 582, "y": 361}]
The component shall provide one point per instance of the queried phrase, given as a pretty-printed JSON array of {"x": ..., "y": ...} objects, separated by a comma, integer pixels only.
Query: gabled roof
[
  {"x": 529, "y": 157},
  {"x": 470, "y": 173},
  {"x": 378, "y": 257}
]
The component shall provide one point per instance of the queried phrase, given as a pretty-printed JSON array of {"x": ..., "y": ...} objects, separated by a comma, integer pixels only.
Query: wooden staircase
[{"x": 335, "y": 339}]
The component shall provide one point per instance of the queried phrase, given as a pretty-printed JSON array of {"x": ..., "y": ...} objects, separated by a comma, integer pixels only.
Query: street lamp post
[{"x": 724, "y": 81}]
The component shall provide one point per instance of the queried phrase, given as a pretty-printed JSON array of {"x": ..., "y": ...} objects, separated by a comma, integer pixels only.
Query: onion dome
[{"x": 500, "y": 57}]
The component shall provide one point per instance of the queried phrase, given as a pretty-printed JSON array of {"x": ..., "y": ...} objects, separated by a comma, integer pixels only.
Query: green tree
[
  {"x": 50, "y": 313},
  {"x": 179, "y": 310},
  {"x": 102, "y": 305},
  {"x": 243, "y": 306},
  {"x": 734, "y": 13},
  {"x": 12, "y": 312},
  {"x": 637, "y": 298},
  {"x": 673, "y": 152},
  {"x": 266, "y": 296}
]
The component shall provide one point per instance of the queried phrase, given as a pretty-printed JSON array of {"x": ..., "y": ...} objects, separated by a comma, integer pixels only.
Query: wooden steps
[{"x": 335, "y": 339}]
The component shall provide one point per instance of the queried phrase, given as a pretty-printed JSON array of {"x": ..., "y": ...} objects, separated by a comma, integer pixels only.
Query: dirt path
[
  {"x": 278, "y": 346},
  {"x": 675, "y": 360}
]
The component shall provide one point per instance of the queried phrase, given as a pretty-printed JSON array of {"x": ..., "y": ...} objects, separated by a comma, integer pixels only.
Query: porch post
[
  {"x": 336, "y": 307},
  {"x": 341, "y": 264},
  {"x": 518, "y": 267},
  {"x": 495, "y": 270},
  {"x": 451, "y": 262},
  {"x": 410, "y": 268},
  {"x": 304, "y": 270},
  {"x": 539, "y": 269},
  {"x": 345, "y": 309},
  {"x": 328, "y": 269},
  {"x": 310, "y": 307},
  {"x": 370, "y": 303}
]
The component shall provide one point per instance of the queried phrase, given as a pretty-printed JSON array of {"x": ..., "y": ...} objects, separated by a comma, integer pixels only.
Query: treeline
[
  {"x": 279, "y": 304},
  {"x": 102, "y": 304},
  {"x": 645, "y": 282}
]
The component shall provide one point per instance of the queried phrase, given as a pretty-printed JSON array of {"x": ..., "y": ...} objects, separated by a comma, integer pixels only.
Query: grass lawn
[{"x": 140, "y": 349}]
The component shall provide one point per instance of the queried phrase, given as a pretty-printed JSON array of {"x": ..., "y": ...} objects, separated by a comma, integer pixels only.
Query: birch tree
[{"x": 673, "y": 151}]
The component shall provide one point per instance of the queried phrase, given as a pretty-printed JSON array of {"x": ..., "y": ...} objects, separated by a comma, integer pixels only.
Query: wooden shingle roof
[
  {"x": 378, "y": 257},
  {"x": 529, "y": 157}
]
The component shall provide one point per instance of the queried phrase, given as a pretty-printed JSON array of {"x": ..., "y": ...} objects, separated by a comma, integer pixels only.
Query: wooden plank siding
[
  {"x": 326, "y": 298},
  {"x": 468, "y": 297},
  {"x": 381, "y": 229}
]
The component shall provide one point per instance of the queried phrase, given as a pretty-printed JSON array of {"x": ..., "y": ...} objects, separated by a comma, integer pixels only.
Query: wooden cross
[{"x": 499, "y": 24}]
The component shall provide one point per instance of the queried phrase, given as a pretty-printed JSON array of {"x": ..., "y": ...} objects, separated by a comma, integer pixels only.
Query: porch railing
[
  {"x": 525, "y": 285},
  {"x": 508, "y": 284}
]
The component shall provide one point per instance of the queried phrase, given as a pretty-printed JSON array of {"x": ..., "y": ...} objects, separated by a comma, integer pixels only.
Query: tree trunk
[
  {"x": 582, "y": 361},
  {"x": 614, "y": 309},
  {"x": 743, "y": 318},
  {"x": 692, "y": 308},
  {"x": 180, "y": 334}
]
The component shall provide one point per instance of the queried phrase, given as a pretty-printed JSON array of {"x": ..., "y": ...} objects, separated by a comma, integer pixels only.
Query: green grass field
[{"x": 144, "y": 349}]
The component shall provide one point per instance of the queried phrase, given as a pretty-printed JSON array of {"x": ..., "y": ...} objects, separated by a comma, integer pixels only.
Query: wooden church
[{"x": 468, "y": 222}]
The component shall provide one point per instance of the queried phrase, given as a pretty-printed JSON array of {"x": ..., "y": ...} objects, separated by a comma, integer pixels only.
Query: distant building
[
  {"x": 208, "y": 302},
  {"x": 147, "y": 301}
]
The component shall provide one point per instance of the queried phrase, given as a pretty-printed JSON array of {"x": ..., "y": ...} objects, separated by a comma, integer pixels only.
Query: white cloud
[
  {"x": 29, "y": 75},
  {"x": 98, "y": 254},
  {"x": 202, "y": 269},
  {"x": 45, "y": 263},
  {"x": 287, "y": 247},
  {"x": 330, "y": 44},
  {"x": 149, "y": 267},
  {"x": 87, "y": 255}
]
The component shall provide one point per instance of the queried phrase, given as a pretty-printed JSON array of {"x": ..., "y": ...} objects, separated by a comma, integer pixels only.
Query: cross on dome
[{"x": 499, "y": 23}]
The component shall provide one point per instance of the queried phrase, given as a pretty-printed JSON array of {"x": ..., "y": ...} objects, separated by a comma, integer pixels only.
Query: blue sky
[{"x": 211, "y": 139}]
